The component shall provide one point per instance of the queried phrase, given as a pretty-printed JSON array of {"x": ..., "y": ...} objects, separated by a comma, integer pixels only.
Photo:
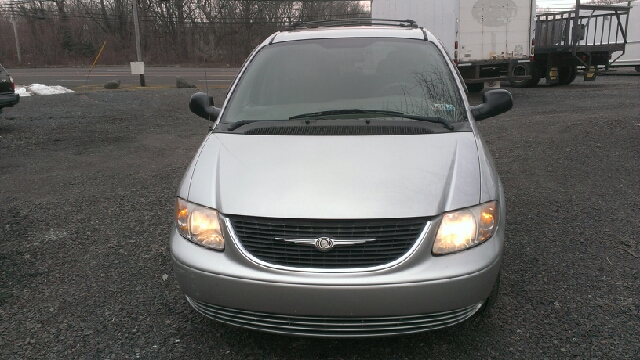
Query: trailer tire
[
  {"x": 475, "y": 87},
  {"x": 535, "y": 77},
  {"x": 567, "y": 74}
]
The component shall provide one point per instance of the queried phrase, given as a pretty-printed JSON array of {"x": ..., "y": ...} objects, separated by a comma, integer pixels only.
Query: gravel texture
[{"x": 87, "y": 183}]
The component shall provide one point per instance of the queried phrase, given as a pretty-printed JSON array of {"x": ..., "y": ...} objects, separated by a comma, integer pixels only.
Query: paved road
[{"x": 154, "y": 76}]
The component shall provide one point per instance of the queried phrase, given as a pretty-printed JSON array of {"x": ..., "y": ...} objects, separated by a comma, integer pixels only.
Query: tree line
[{"x": 185, "y": 32}]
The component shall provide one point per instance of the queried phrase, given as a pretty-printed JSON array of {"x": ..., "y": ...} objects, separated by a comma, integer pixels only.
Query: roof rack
[{"x": 350, "y": 22}]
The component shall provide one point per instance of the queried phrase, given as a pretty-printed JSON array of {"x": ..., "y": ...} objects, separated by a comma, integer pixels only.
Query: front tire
[{"x": 485, "y": 309}]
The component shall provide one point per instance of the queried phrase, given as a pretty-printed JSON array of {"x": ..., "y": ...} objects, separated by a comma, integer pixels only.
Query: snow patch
[
  {"x": 22, "y": 92},
  {"x": 39, "y": 89}
]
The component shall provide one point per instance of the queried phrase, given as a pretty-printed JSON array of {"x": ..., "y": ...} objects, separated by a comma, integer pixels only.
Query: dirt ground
[{"x": 87, "y": 185}]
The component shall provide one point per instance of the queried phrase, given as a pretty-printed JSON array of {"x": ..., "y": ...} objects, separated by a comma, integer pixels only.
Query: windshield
[{"x": 300, "y": 77}]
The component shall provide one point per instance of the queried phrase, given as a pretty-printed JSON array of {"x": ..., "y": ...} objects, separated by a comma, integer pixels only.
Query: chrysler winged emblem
[{"x": 325, "y": 243}]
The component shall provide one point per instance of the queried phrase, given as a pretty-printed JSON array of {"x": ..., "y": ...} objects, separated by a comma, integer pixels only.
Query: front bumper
[{"x": 424, "y": 292}]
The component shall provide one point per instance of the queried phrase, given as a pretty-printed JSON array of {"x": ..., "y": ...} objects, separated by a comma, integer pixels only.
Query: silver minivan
[{"x": 343, "y": 189}]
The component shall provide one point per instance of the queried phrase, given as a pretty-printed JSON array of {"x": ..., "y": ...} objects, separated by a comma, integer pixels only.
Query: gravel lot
[{"x": 87, "y": 183}]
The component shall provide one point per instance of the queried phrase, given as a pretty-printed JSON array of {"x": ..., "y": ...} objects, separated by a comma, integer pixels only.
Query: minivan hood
[{"x": 336, "y": 177}]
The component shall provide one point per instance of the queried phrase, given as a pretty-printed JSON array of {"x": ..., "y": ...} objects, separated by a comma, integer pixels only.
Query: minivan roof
[{"x": 350, "y": 32}]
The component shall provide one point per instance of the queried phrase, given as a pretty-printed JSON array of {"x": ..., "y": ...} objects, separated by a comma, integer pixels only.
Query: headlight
[
  {"x": 466, "y": 228},
  {"x": 199, "y": 224}
]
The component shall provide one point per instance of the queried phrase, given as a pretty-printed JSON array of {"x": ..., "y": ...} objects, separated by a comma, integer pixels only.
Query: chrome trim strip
[
  {"x": 336, "y": 242},
  {"x": 264, "y": 264}
]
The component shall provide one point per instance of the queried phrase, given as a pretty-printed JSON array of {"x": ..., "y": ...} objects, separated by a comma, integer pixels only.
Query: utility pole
[
  {"x": 576, "y": 31},
  {"x": 137, "y": 26},
  {"x": 15, "y": 32}
]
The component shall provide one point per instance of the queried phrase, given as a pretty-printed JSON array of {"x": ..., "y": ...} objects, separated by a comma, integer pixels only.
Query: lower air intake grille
[
  {"x": 345, "y": 327},
  {"x": 263, "y": 239}
]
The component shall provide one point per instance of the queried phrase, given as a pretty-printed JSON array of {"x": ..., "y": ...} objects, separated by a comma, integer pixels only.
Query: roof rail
[{"x": 351, "y": 22}]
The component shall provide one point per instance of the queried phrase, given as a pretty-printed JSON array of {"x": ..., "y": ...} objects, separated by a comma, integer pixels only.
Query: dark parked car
[{"x": 8, "y": 96}]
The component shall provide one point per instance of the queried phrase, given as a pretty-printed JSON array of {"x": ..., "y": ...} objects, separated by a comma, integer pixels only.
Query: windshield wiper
[
  {"x": 237, "y": 124},
  {"x": 432, "y": 119}
]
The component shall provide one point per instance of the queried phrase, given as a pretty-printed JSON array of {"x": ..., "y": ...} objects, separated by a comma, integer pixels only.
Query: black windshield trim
[
  {"x": 365, "y": 112},
  {"x": 247, "y": 126}
]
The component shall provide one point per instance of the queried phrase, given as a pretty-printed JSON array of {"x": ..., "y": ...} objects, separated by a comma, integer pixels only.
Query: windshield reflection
[{"x": 288, "y": 79}]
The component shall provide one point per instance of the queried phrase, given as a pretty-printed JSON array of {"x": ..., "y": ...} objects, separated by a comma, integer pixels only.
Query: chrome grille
[
  {"x": 334, "y": 326},
  {"x": 263, "y": 239}
]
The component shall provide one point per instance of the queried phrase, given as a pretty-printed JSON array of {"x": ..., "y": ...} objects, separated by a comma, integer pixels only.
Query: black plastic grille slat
[
  {"x": 271, "y": 248},
  {"x": 260, "y": 237},
  {"x": 262, "y": 229},
  {"x": 334, "y": 326},
  {"x": 347, "y": 130}
]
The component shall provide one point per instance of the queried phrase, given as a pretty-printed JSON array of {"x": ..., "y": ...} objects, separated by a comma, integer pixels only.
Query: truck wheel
[
  {"x": 638, "y": 68},
  {"x": 567, "y": 74},
  {"x": 521, "y": 70},
  {"x": 476, "y": 87}
]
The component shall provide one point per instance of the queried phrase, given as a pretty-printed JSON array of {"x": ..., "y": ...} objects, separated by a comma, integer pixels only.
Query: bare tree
[{"x": 62, "y": 32}]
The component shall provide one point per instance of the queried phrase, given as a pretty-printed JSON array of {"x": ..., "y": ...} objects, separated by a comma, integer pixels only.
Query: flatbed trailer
[{"x": 576, "y": 42}]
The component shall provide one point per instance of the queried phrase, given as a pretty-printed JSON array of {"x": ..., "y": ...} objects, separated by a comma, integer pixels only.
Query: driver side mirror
[
  {"x": 201, "y": 104},
  {"x": 494, "y": 102}
]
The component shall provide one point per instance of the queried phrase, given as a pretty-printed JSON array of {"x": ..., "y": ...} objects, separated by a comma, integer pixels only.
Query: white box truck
[{"x": 490, "y": 40}]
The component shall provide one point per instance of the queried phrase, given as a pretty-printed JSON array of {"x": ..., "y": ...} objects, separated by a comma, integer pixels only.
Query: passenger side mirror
[
  {"x": 494, "y": 102},
  {"x": 201, "y": 104}
]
